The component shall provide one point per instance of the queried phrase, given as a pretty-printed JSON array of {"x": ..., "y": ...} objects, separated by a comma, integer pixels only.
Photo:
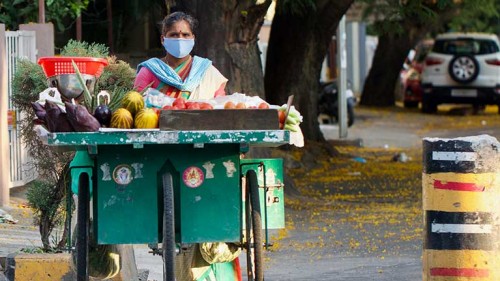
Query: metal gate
[{"x": 19, "y": 44}]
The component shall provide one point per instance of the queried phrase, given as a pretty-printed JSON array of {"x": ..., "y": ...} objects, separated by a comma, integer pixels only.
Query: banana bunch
[{"x": 293, "y": 119}]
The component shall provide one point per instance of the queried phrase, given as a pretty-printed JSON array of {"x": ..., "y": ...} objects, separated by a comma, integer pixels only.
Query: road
[{"x": 369, "y": 228}]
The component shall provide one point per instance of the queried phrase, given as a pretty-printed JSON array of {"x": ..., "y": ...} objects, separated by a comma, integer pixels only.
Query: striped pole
[{"x": 461, "y": 203}]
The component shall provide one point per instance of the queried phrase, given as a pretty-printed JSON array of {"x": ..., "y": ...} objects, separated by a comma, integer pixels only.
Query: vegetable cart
[{"x": 175, "y": 188}]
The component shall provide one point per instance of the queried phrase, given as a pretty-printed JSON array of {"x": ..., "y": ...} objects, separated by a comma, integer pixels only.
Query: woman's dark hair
[{"x": 172, "y": 18}]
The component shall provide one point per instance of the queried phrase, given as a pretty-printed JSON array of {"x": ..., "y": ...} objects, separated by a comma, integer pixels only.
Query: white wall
[{"x": 4, "y": 139}]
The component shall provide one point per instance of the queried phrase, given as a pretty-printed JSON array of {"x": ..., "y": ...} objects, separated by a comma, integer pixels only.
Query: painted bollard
[{"x": 461, "y": 203}]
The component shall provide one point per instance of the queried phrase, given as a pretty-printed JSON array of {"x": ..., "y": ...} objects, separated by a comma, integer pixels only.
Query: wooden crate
[{"x": 219, "y": 119}]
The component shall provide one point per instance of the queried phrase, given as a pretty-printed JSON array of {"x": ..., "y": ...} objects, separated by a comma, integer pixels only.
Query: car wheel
[
  {"x": 463, "y": 69},
  {"x": 428, "y": 104}
]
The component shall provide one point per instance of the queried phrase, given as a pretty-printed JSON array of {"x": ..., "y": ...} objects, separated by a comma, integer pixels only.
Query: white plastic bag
[
  {"x": 53, "y": 95},
  {"x": 156, "y": 99},
  {"x": 249, "y": 101}
]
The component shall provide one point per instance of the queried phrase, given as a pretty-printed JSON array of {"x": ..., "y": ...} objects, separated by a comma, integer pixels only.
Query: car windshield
[{"x": 465, "y": 46}]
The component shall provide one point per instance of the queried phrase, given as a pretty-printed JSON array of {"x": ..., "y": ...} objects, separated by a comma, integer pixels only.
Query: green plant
[
  {"x": 84, "y": 49},
  {"x": 48, "y": 204},
  {"x": 33, "y": 249},
  {"x": 15, "y": 12},
  {"x": 28, "y": 81},
  {"x": 117, "y": 78},
  {"x": 47, "y": 197}
]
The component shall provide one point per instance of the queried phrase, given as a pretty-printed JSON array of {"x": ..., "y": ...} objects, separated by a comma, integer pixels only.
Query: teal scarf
[{"x": 167, "y": 75}]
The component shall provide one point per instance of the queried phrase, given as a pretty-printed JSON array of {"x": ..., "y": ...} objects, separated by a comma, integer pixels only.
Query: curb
[
  {"x": 346, "y": 142},
  {"x": 59, "y": 267},
  {"x": 27, "y": 267}
]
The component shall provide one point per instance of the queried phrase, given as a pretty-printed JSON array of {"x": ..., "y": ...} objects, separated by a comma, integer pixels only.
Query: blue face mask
[{"x": 178, "y": 47}]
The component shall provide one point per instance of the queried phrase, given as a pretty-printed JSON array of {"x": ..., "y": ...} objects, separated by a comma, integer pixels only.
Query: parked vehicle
[
  {"x": 411, "y": 87},
  {"x": 462, "y": 68},
  {"x": 410, "y": 75},
  {"x": 328, "y": 102}
]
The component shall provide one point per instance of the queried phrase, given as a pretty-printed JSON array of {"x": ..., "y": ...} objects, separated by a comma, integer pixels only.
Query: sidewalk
[{"x": 23, "y": 233}]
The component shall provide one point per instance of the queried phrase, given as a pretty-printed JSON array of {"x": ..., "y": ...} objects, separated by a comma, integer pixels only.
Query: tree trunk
[
  {"x": 391, "y": 53},
  {"x": 227, "y": 35},
  {"x": 45, "y": 227},
  {"x": 296, "y": 49},
  {"x": 387, "y": 62}
]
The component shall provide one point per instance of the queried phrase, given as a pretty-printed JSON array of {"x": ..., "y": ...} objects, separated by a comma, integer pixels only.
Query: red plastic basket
[{"x": 62, "y": 65}]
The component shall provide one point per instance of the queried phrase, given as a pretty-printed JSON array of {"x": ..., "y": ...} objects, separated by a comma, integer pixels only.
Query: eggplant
[
  {"x": 103, "y": 114},
  {"x": 55, "y": 119},
  {"x": 80, "y": 118},
  {"x": 39, "y": 112}
]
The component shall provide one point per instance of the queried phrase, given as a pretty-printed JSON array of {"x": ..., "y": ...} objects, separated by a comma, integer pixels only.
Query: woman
[{"x": 179, "y": 74}]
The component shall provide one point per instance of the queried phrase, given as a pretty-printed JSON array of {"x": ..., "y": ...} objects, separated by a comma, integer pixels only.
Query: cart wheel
[
  {"x": 82, "y": 236},
  {"x": 168, "y": 242},
  {"x": 253, "y": 228}
]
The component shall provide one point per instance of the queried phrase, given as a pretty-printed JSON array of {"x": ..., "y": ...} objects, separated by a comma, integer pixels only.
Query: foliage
[
  {"x": 15, "y": 12},
  {"x": 48, "y": 205},
  {"x": 117, "y": 78},
  {"x": 402, "y": 24},
  {"x": 478, "y": 16},
  {"x": 470, "y": 15},
  {"x": 28, "y": 81},
  {"x": 39, "y": 196},
  {"x": 84, "y": 49},
  {"x": 50, "y": 164},
  {"x": 33, "y": 249},
  {"x": 389, "y": 15}
]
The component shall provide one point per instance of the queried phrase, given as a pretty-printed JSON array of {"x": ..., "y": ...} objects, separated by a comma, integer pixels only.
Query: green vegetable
[{"x": 87, "y": 96}]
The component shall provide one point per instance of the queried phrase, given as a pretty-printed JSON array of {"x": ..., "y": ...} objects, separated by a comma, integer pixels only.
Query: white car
[{"x": 462, "y": 68}]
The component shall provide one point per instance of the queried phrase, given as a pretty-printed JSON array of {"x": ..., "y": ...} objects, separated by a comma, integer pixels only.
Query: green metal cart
[{"x": 175, "y": 188}]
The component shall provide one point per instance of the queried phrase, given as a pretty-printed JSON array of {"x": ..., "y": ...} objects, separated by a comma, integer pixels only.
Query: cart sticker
[
  {"x": 106, "y": 176},
  {"x": 122, "y": 174},
  {"x": 209, "y": 167},
  {"x": 138, "y": 170},
  {"x": 193, "y": 177},
  {"x": 230, "y": 168}
]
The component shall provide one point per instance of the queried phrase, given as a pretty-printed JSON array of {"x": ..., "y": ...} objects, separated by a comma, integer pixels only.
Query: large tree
[
  {"x": 300, "y": 35},
  {"x": 228, "y": 34},
  {"x": 400, "y": 25}
]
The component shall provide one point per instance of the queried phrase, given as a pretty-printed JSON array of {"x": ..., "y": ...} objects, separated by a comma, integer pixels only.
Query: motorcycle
[{"x": 328, "y": 103}]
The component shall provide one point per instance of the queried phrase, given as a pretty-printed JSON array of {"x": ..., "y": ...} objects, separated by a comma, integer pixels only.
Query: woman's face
[{"x": 180, "y": 29}]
